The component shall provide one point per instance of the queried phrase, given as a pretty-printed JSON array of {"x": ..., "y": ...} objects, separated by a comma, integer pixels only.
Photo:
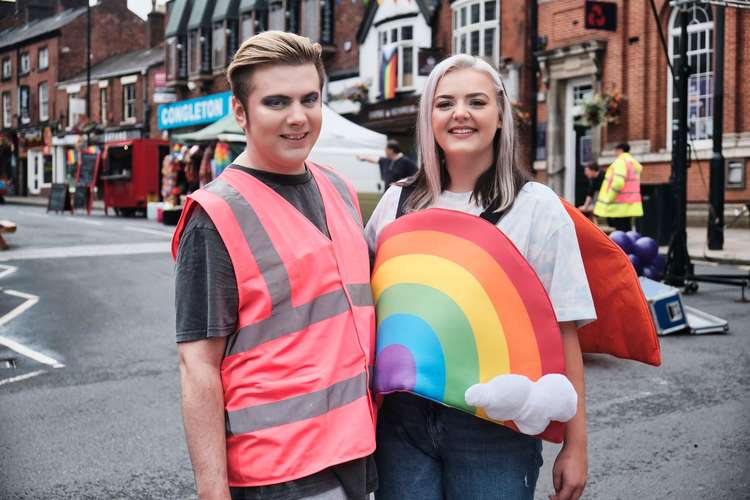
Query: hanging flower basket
[
  {"x": 521, "y": 117},
  {"x": 603, "y": 108}
]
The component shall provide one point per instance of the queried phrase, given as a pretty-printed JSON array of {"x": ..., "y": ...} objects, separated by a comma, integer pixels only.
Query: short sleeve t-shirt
[
  {"x": 395, "y": 170},
  {"x": 538, "y": 226},
  {"x": 206, "y": 302}
]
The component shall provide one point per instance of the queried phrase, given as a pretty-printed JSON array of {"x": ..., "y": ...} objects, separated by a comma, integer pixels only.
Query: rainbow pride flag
[{"x": 389, "y": 73}]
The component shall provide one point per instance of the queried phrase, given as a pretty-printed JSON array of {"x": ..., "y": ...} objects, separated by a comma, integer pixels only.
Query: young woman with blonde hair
[{"x": 466, "y": 136}]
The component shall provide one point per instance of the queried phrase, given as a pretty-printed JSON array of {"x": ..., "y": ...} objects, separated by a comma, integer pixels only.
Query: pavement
[{"x": 736, "y": 249}]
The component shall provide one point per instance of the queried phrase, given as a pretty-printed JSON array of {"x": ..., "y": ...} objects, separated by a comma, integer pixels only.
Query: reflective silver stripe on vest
[
  {"x": 286, "y": 319},
  {"x": 298, "y": 408},
  {"x": 268, "y": 260},
  {"x": 344, "y": 192}
]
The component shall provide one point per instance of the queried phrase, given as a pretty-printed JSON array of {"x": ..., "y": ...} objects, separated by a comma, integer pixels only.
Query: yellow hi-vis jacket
[{"x": 620, "y": 194}]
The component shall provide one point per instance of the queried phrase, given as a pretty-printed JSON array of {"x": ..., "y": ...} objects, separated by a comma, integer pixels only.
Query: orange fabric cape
[{"x": 624, "y": 326}]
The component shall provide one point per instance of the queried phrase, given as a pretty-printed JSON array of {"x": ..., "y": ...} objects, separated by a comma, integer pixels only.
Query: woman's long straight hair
[{"x": 498, "y": 185}]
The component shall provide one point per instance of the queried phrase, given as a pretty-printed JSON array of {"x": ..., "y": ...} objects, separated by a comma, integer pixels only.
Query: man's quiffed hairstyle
[{"x": 269, "y": 48}]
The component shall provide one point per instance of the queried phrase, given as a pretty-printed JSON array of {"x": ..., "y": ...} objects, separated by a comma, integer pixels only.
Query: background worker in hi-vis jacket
[
  {"x": 620, "y": 195},
  {"x": 275, "y": 322}
]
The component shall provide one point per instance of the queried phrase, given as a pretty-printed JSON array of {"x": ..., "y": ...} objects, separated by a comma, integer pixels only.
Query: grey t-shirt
[{"x": 206, "y": 301}]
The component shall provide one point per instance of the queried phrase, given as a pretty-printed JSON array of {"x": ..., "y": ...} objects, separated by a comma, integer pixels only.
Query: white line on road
[
  {"x": 86, "y": 251},
  {"x": 148, "y": 231},
  {"x": 6, "y": 270},
  {"x": 84, "y": 221},
  {"x": 12, "y": 344},
  {"x": 21, "y": 377},
  {"x": 32, "y": 214}
]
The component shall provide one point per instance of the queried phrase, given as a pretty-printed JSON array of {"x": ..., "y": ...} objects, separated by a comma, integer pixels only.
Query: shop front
[{"x": 35, "y": 150}]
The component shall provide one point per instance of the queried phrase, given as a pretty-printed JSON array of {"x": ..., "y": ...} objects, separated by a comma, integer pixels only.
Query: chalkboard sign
[
  {"x": 59, "y": 201},
  {"x": 87, "y": 169},
  {"x": 82, "y": 197}
]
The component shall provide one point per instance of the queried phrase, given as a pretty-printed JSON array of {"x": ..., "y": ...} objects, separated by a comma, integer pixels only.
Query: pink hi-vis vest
[{"x": 296, "y": 373}]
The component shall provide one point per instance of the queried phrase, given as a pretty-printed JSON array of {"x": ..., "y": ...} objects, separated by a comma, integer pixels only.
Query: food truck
[{"x": 131, "y": 173}]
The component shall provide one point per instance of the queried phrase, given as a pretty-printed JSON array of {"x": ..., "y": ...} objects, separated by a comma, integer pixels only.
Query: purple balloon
[
  {"x": 636, "y": 264},
  {"x": 634, "y": 235},
  {"x": 622, "y": 240},
  {"x": 651, "y": 273},
  {"x": 646, "y": 249},
  {"x": 659, "y": 263}
]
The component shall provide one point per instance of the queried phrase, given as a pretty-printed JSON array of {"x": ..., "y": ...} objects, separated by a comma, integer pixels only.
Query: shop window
[
  {"x": 47, "y": 169},
  {"x": 43, "y": 102},
  {"x": 7, "y": 68},
  {"x": 25, "y": 63},
  {"x": 176, "y": 58},
  {"x": 43, "y": 58},
  {"x": 24, "y": 103},
  {"x": 476, "y": 29},
  {"x": 103, "y": 108},
  {"x": 128, "y": 102},
  {"x": 700, "y": 83},
  {"x": 76, "y": 109},
  {"x": 7, "y": 110},
  {"x": 396, "y": 47}
]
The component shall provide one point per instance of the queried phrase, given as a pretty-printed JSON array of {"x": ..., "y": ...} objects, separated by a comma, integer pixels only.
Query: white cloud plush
[{"x": 530, "y": 405}]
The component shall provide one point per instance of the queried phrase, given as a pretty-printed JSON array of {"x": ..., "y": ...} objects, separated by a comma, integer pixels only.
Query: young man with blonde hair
[{"x": 275, "y": 322}]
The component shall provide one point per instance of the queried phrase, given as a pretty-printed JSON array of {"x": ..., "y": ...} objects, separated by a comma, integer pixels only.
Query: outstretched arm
[
  {"x": 368, "y": 158},
  {"x": 571, "y": 466},
  {"x": 203, "y": 415}
]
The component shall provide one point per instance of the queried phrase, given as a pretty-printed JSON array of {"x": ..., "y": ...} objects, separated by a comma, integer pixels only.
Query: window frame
[
  {"x": 460, "y": 30},
  {"x": 705, "y": 32},
  {"x": 43, "y": 103},
  {"x": 385, "y": 41},
  {"x": 128, "y": 102},
  {"x": 7, "y": 63},
  {"x": 39, "y": 59},
  {"x": 27, "y": 118},
  {"x": 219, "y": 54},
  {"x": 7, "y": 104},
  {"x": 103, "y": 105},
  {"x": 25, "y": 56}
]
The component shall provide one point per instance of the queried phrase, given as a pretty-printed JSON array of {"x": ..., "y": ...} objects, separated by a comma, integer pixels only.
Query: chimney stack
[{"x": 155, "y": 28}]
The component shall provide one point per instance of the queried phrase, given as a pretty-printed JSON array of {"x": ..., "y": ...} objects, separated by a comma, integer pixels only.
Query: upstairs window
[
  {"x": 475, "y": 29},
  {"x": 397, "y": 55},
  {"x": 7, "y": 110},
  {"x": 176, "y": 58},
  {"x": 43, "y": 102},
  {"x": 317, "y": 23},
  {"x": 24, "y": 103},
  {"x": 103, "y": 108},
  {"x": 7, "y": 68},
  {"x": 199, "y": 51},
  {"x": 43, "y": 58},
  {"x": 128, "y": 102},
  {"x": 25, "y": 63},
  {"x": 284, "y": 15}
]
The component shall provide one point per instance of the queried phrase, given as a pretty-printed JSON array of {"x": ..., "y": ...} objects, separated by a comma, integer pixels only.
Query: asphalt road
[{"x": 106, "y": 424}]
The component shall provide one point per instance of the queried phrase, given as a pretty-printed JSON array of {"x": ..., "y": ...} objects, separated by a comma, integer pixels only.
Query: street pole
[
  {"x": 88, "y": 59},
  {"x": 716, "y": 180},
  {"x": 678, "y": 260}
]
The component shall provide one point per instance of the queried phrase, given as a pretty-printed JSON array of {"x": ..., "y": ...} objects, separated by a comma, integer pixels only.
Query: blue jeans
[{"x": 427, "y": 451}]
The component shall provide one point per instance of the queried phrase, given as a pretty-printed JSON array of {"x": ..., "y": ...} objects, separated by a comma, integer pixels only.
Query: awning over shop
[
  {"x": 248, "y": 5},
  {"x": 178, "y": 18},
  {"x": 200, "y": 16},
  {"x": 226, "y": 125},
  {"x": 225, "y": 9}
]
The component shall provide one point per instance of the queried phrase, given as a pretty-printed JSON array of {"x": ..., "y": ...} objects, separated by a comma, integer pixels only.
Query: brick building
[
  {"x": 33, "y": 59},
  {"x": 201, "y": 37},
  {"x": 577, "y": 64}
]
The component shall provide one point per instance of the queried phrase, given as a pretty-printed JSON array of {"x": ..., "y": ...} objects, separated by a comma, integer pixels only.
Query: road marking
[
  {"x": 21, "y": 377},
  {"x": 15, "y": 346},
  {"x": 32, "y": 214},
  {"x": 84, "y": 221},
  {"x": 86, "y": 251},
  {"x": 148, "y": 231},
  {"x": 6, "y": 270}
]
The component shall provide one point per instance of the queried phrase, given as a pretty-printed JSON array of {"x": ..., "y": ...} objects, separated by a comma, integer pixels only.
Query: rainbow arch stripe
[{"x": 457, "y": 304}]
